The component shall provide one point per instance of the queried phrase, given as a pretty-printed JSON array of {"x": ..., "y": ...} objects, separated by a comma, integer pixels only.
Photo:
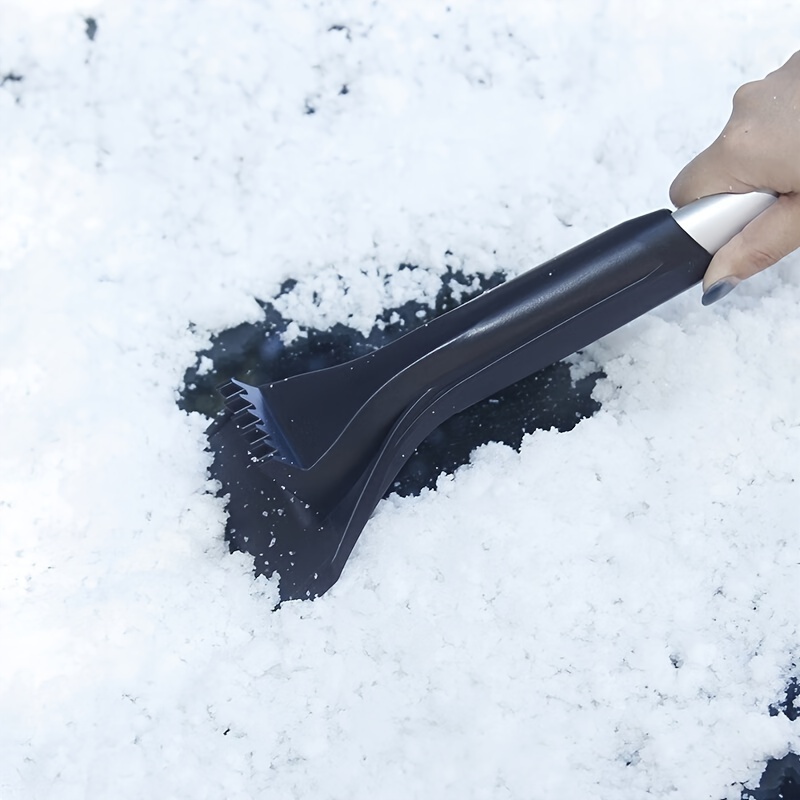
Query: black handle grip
[
  {"x": 592, "y": 289},
  {"x": 555, "y": 309}
]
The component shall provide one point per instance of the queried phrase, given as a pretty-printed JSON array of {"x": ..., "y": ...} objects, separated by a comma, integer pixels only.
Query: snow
[{"x": 608, "y": 613}]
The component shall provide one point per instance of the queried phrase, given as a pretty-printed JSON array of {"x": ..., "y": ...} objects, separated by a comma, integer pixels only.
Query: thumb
[{"x": 772, "y": 235}]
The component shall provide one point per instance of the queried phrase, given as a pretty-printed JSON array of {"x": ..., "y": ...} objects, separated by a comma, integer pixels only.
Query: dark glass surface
[{"x": 780, "y": 781}]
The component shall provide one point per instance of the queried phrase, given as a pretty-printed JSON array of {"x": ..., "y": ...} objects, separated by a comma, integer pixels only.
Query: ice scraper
[{"x": 305, "y": 460}]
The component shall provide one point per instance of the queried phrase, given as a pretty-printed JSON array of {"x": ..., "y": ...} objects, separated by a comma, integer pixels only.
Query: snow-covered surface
[{"x": 608, "y": 613}]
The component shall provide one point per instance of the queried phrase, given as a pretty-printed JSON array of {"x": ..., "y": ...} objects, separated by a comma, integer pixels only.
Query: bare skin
[{"x": 759, "y": 148}]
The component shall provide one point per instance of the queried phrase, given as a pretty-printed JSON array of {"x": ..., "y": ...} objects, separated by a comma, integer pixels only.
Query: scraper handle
[
  {"x": 550, "y": 311},
  {"x": 604, "y": 283},
  {"x": 608, "y": 281}
]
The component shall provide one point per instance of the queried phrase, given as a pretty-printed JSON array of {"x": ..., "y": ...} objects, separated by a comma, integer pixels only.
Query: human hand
[{"x": 759, "y": 148}]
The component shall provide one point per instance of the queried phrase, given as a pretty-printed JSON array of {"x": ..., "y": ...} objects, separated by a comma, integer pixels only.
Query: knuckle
[
  {"x": 794, "y": 61},
  {"x": 761, "y": 257},
  {"x": 746, "y": 92},
  {"x": 678, "y": 192}
]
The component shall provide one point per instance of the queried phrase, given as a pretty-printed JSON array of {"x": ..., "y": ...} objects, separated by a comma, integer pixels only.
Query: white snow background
[{"x": 608, "y": 613}]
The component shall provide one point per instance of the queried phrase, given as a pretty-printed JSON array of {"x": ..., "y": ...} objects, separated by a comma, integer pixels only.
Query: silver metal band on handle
[{"x": 714, "y": 220}]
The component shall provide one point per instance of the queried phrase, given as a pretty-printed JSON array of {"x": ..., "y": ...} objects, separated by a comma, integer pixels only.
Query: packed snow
[{"x": 608, "y": 613}]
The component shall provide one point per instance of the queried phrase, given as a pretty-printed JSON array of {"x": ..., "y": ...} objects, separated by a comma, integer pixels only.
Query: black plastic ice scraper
[{"x": 305, "y": 460}]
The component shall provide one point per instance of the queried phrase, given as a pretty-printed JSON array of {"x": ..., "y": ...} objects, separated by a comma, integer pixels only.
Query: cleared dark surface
[
  {"x": 306, "y": 460},
  {"x": 780, "y": 781},
  {"x": 781, "y": 778}
]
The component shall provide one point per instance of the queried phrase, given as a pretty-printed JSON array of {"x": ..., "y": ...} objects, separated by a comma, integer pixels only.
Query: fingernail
[{"x": 719, "y": 289}]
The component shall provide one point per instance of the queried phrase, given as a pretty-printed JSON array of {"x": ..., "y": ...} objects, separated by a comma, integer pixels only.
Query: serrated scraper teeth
[
  {"x": 249, "y": 414},
  {"x": 237, "y": 403},
  {"x": 245, "y": 416},
  {"x": 255, "y": 435},
  {"x": 228, "y": 389},
  {"x": 251, "y": 426}
]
